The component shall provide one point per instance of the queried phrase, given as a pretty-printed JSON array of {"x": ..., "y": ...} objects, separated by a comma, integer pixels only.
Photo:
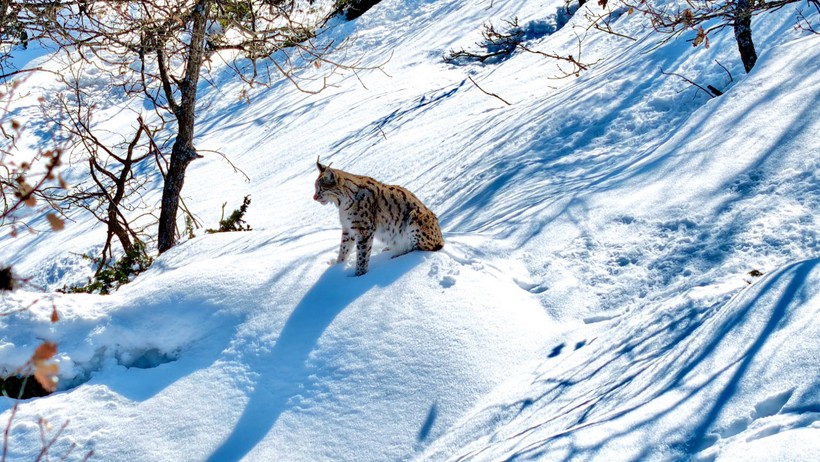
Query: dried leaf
[
  {"x": 687, "y": 17},
  {"x": 698, "y": 38},
  {"x": 62, "y": 182},
  {"x": 46, "y": 375},
  {"x": 45, "y": 351},
  {"x": 30, "y": 201},
  {"x": 55, "y": 316},
  {"x": 56, "y": 223},
  {"x": 602, "y": 3}
]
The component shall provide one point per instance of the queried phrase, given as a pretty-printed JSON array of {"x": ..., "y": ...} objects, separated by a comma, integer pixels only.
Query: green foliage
[
  {"x": 341, "y": 5},
  {"x": 234, "y": 222},
  {"x": 189, "y": 227},
  {"x": 233, "y": 12},
  {"x": 12, "y": 30},
  {"x": 110, "y": 277}
]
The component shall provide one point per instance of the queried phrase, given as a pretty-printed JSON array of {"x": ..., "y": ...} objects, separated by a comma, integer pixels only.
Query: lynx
[{"x": 368, "y": 209}]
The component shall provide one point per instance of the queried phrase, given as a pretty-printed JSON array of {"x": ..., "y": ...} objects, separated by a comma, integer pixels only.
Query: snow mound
[{"x": 284, "y": 351}]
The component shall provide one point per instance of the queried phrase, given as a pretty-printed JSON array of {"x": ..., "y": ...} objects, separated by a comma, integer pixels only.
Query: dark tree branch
[{"x": 488, "y": 93}]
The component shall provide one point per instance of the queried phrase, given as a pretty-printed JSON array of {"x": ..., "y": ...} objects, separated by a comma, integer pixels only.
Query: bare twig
[
  {"x": 48, "y": 444},
  {"x": 579, "y": 66},
  {"x": 711, "y": 95},
  {"x": 727, "y": 71},
  {"x": 233, "y": 166},
  {"x": 596, "y": 21},
  {"x": 6, "y": 432},
  {"x": 18, "y": 310},
  {"x": 488, "y": 93},
  {"x": 23, "y": 71}
]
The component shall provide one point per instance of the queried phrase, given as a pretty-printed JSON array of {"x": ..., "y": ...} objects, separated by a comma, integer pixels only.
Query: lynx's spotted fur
[{"x": 368, "y": 209}]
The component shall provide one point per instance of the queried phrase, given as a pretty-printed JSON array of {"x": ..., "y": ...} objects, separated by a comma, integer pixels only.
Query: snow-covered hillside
[{"x": 593, "y": 301}]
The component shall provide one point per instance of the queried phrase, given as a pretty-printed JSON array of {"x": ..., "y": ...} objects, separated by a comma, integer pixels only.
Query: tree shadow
[
  {"x": 284, "y": 370},
  {"x": 432, "y": 415},
  {"x": 694, "y": 355}
]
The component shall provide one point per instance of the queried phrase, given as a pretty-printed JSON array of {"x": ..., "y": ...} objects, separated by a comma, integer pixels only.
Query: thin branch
[
  {"x": 727, "y": 71},
  {"x": 488, "y": 93},
  {"x": 711, "y": 95},
  {"x": 50, "y": 443},
  {"x": 225, "y": 158},
  {"x": 22, "y": 71},
  {"x": 579, "y": 66},
  {"x": 6, "y": 433}
]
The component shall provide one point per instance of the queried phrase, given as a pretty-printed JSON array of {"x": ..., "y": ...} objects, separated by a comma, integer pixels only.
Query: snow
[{"x": 593, "y": 300}]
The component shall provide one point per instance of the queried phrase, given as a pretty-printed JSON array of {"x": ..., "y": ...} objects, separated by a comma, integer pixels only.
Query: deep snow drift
[{"x": 593, "y": 300}]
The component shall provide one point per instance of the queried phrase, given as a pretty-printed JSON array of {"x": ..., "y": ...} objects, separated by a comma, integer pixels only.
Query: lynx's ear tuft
[{"x": 323, "y": 168}]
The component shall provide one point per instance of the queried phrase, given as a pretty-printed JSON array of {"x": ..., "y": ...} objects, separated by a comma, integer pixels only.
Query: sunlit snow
[{"x": 593, "y": 300}]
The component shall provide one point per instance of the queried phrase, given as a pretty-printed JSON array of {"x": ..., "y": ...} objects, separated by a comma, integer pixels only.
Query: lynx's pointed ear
[
  {"x": 329, "y": 175},
  {"x": 321, "y": 167}
]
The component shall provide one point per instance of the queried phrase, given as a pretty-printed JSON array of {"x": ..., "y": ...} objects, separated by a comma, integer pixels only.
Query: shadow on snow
[
  {"x": 695, "y": 357},
  {"x": 288, "y": 371}
]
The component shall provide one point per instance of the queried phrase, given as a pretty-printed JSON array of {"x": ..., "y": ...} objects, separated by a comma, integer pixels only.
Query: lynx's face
[{"x": 326, "y": 186}]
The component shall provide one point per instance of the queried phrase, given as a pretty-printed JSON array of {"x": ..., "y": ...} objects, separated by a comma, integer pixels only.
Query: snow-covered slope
[{"x": 593, "y": 300}]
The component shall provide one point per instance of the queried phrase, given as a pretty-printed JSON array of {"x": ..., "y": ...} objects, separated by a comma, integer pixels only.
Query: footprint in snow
[{"x": 445, "y": 272}]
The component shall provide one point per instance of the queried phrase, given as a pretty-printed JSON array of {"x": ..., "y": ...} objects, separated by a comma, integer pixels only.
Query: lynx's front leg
[
  {"x": 345, "y": 246},
  {"x": 363, "y": 246}
]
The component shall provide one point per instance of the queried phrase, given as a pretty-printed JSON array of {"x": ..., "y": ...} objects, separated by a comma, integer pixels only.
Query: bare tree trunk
[
  {"x": 4, "y": 8},
  {"x": 743, "y": 34},
  {"x": 183, "y": 151},
  {"x": 114, "y": 225}
]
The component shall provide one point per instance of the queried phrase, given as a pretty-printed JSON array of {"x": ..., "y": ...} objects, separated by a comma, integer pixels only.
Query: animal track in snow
[
  {"x": 447, "y": 282},
  {"x": 445, "y": 271}
]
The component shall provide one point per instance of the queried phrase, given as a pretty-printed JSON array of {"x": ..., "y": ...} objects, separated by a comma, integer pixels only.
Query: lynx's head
[{"x": 327, "y": 185}]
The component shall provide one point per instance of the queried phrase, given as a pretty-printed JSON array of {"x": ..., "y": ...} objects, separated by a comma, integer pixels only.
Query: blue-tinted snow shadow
[
  {"x": 285, "y": 368},
  {"x": 675, "y": 357},
  {"x": 153, "y": 367},
  {"x": 574, "y": 152},
  {"x": 427, "y": 426},
  {"x": 798, "y": 274},
  {"x": 560, "y": 159}
]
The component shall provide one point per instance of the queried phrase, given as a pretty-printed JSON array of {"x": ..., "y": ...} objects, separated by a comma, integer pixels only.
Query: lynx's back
[{"x": 370, "y": 209}]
